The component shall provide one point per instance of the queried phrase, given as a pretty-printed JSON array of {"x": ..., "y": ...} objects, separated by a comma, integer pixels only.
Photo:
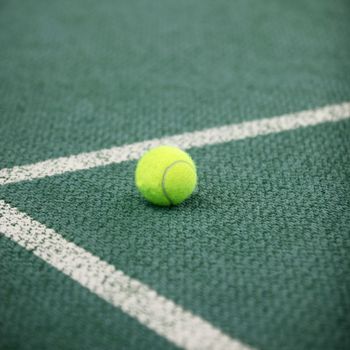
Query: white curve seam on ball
[{"x": 167, "y": 196}]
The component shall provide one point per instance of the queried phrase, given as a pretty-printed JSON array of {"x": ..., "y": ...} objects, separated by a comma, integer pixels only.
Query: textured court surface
[{"x": 258, "y": 258}]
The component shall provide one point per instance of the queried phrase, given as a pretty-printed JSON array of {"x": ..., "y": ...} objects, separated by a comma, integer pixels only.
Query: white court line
[
  {"x": 188, "y": 140},
  {"x": 138, "y": 300}
]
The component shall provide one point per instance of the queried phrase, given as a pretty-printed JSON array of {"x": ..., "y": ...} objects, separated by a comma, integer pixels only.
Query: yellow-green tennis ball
[{"x": 166, "y": 175}]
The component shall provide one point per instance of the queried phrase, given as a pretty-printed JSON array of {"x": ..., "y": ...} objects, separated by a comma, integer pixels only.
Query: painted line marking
[
  {"x": 223, "y": 134},
  {"x": 159, "y": 314}
]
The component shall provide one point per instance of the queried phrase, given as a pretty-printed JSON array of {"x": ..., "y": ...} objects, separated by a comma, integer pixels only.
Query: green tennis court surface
[{"x": 257, "y": 92}]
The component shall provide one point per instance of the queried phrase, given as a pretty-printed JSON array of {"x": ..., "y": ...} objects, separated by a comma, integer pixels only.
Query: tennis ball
[{"x": 166, "y": 176}]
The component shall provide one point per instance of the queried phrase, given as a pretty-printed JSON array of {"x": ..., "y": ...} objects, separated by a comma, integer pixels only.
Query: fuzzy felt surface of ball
[{"x": 166, "y": 175}]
